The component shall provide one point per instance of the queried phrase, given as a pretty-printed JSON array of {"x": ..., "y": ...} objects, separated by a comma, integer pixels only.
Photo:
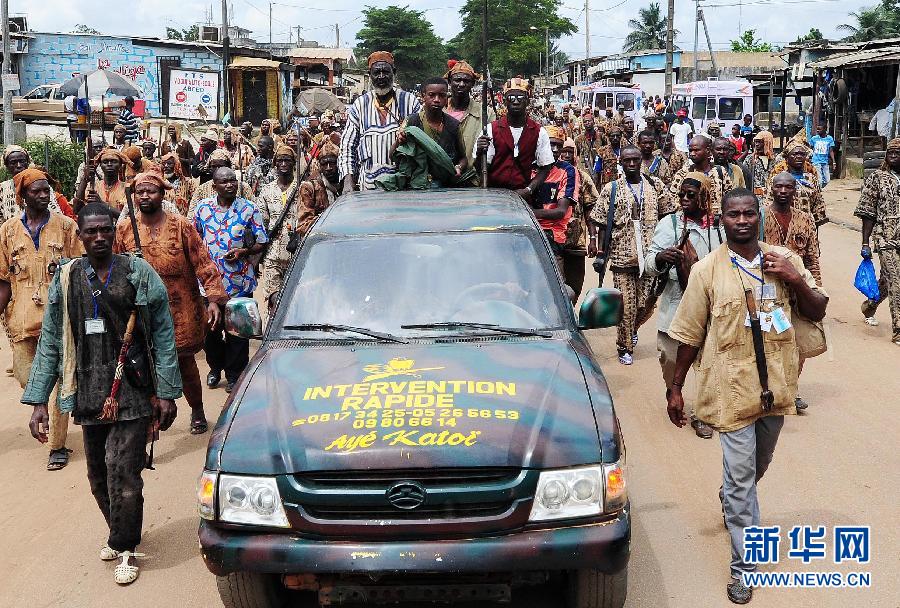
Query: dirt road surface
[{"x": 836, "y": 465}]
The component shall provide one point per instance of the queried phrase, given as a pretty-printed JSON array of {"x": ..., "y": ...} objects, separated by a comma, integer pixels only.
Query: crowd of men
[{"x": 659, "y": 202}]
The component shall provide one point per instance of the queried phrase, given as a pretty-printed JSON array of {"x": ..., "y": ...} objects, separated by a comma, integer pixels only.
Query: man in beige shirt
[
  {"x": 33, "y": 244},
  {"x": 710, "y": 325}
]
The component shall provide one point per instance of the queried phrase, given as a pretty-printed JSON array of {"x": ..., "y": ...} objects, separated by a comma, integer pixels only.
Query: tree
[
  {"x": 813, "y": 35},
  {"x": 873, "y": 23},
  {"x": 648, "y": 31},
  {"x": 748, "y": 43},
  {"x": 192, "y": 34},
  {"x": 83, "y": 29},
  {"x": 418, "y": 52},
  {"x": 514, "y": 48}
]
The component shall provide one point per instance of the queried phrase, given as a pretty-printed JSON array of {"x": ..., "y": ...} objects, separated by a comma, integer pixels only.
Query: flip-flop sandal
[
  {"x": 198, "y": 427},
  {"x": 58, "y": 459},
  {"x": 108, "y": 554},
  {"x": 125, "y": 573}
]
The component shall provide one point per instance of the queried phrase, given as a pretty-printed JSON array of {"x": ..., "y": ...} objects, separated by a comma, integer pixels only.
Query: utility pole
[
  {"x": 712, "y": 57},
  {"x": 270, "y": 24},
  {"x": 337, "y": 36},
  {"x": 587, "y": 38},
  {"x": 226, "y": 59},
  {"x": 7, "y": 93},
  {"x": 670, "y": 46},
  {"x": 696, "y": 34},
  {"x": 547, "y": 33},
  {"x": 298, "y": 35}
]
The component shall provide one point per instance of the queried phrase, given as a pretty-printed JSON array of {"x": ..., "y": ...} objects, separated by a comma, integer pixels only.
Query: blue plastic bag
[{"x": 866, "y": 281}]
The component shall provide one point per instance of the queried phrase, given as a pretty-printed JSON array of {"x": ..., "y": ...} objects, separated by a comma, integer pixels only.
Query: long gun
[
  {"x": 602, "y": 261},
  {"x": 135, "y": 317},
  {"x": 759, "y": 349},
  {"x": 87, "y": 179},
  {"x": 291, "y": 195},
  {"x": 484, "y": 91}
]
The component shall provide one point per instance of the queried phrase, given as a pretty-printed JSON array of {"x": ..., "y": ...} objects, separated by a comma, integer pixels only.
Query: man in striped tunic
[
  {"x": 373, "y": 121},
  {"x": 128, "y": 120}
]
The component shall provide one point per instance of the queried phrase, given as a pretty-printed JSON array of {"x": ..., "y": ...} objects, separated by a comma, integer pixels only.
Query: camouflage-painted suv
[{"x": 423, "y": 421}]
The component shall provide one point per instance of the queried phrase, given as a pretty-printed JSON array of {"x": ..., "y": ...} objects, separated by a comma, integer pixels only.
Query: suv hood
[{"x": 517, "y": 403}]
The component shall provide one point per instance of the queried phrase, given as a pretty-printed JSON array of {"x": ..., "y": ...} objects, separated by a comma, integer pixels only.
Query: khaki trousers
[{"x": 23, "y": 356}]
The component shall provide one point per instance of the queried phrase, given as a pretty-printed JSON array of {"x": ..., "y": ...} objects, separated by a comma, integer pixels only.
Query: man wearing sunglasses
[
  {"x": 667, "y": 251},
  {"x": 515, "y": 147}
]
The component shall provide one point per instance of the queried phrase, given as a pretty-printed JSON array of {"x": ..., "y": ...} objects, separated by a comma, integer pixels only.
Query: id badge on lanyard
[{"x": 94, "y": 326}]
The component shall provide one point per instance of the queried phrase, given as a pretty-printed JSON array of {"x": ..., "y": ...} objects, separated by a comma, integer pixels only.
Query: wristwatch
[{"x": 528, "y": 189}]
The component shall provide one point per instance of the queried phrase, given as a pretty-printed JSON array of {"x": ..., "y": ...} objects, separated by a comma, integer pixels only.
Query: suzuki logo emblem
[{"x": 406, "y": 495}]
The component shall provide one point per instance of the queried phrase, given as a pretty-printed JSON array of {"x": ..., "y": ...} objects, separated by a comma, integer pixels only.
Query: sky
[{"x": 778, "y": 22}]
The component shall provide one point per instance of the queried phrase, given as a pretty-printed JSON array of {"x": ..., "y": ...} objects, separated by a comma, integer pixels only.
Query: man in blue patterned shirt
[{"x": 232, "y": 229}]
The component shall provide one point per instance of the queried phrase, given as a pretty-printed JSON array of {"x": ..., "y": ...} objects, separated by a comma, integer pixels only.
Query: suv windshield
[{"x": 384, "y": 282}]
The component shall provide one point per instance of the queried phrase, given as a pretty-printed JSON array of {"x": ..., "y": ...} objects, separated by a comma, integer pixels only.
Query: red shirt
[
  {"x": 738, "y": 143},
  {"x": 563, "y": 181}
]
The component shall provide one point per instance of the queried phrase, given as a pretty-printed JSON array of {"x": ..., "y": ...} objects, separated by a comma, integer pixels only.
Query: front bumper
[{"x": 602, "y": 546}]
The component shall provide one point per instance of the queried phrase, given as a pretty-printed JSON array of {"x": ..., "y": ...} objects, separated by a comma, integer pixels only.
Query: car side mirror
[
  {"x": 242, "y": 318},
  {"x": 601, "y": 307}
]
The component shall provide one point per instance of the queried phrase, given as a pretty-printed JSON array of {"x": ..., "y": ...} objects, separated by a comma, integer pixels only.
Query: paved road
[{"x": 836, "y": 465}]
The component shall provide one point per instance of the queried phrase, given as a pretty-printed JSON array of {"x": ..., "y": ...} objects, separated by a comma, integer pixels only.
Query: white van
[
  {"x": 721, "y": 101},
  {"x": 608, "y": 94}
]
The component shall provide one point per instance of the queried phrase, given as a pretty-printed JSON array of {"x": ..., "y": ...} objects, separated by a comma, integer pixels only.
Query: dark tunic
[
  {"x": 97, "y": 354},
  {"x": 448, "y": 139}
]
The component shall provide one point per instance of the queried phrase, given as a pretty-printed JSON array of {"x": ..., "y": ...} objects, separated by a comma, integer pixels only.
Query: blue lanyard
[
  {"x": 105, "y": 285},
  {"x": 639, "y": 201},
  {"x": 735, "y": 263}
]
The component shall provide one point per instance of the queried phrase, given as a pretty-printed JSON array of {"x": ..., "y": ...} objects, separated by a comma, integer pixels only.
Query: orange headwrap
[
  {"x": 285, "y": 150},
  {"x": 178, "y": 170},
  {"x": 455, "y": 66},
  {"x": 377, "y": 56},
  {"x": 25, "y": 178},
  {"x": 329, "y": 149},
  {"x": 152, "y": 177},
  {"x": 113, "y": 153},
  {"x": 132, "y": 153}
]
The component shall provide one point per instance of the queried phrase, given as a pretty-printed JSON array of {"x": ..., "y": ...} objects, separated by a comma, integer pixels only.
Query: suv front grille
[
  {"x": 454, "y": 502},
  {"x": 447, "y": 511}
]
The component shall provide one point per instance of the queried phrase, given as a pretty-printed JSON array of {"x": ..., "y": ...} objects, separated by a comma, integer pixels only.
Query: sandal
[
  {"x": 125, "y": 573},
  {"x": 198, "y": 427},
  {"x": 58, "y": 459},
  {"x": 108, "y": 554}
]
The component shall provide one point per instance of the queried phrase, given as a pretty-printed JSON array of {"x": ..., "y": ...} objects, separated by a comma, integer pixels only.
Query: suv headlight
[
  {"x": 251, "y": 500},
  {"x": 579, "y": 492}
]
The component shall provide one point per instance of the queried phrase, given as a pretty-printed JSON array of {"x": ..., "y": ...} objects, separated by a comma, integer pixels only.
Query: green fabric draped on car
[{"x": 421, "y": 164}]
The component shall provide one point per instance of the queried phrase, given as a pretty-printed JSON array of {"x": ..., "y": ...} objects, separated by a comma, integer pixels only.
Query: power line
[{"x": 767, "y": 2}]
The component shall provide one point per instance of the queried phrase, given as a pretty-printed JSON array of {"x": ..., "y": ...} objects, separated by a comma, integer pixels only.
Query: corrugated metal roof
[
  {"x": 865, "y": 57},
  {"x": 319, "y": 52},
  {"x": 253, "y": 63}
]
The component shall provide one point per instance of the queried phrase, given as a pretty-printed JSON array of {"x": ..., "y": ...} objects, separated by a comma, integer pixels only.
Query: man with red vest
[{"x": 515, "y": 145}]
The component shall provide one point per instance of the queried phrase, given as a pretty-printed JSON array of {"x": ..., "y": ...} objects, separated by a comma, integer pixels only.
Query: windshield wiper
[
  {"x": 514, "y": 331},
  {"x": 356, "y": 330}
]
